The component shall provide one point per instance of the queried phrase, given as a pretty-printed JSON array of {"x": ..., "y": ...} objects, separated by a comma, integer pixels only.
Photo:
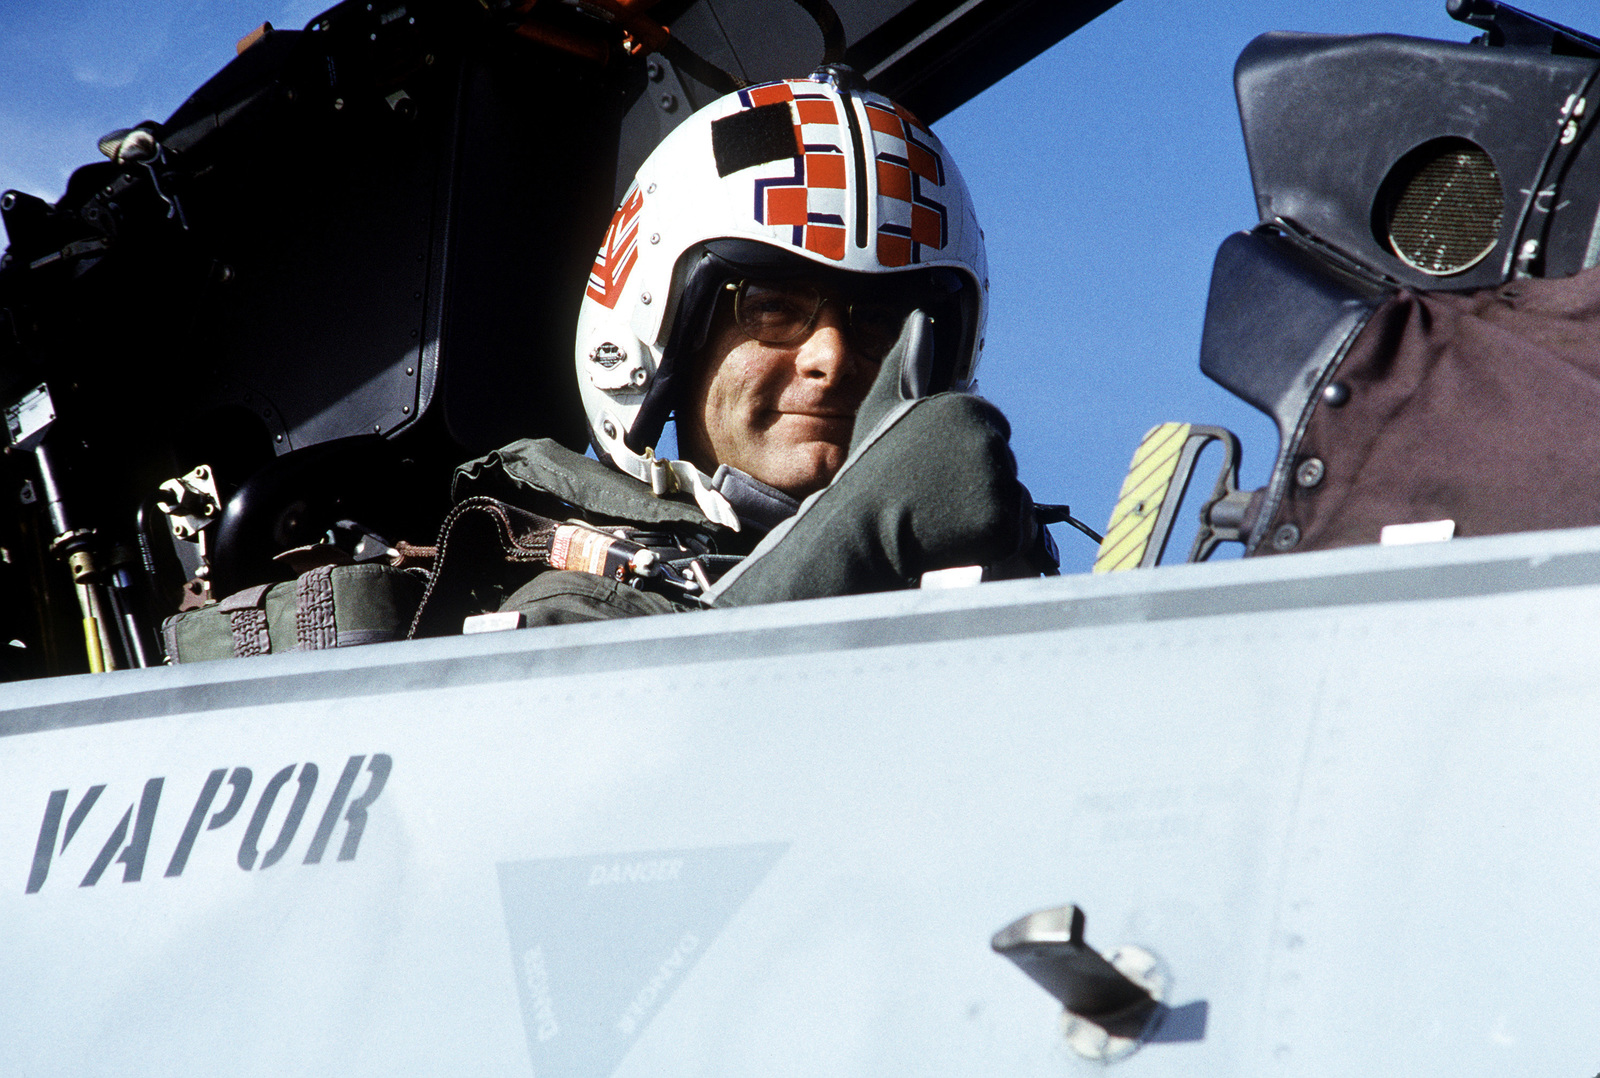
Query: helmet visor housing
[{"x": 876, "y": 309}]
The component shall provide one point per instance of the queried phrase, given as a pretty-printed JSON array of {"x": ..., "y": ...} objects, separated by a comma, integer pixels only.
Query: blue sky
[{"x": 1105, "y": 173}]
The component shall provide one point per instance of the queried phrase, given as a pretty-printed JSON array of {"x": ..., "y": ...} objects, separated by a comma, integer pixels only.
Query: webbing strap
[
  {"x": 247, "y": 621},
  {"x": 313, "y": 610}
]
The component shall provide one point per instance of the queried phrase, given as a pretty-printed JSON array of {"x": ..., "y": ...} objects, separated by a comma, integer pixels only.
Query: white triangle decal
[{"x": 600, "y": 943}]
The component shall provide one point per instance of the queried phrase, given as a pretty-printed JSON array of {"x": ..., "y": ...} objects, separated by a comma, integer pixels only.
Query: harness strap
[
  {"x": 247, "y": 620},
  {"x": 313, "y": 610}
]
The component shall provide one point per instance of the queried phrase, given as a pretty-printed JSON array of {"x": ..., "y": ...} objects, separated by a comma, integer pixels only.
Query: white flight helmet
[{"x": 807, "y": 176}]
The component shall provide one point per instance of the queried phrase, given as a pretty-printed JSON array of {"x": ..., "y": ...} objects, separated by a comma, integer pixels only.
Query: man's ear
[{"x": 905, "y": 376}]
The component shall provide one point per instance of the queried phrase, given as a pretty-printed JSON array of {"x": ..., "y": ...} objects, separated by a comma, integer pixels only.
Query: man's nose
[{"x": 826, "y": 352}]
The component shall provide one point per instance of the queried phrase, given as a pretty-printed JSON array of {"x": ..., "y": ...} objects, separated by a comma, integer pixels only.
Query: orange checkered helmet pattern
[{"x": 827, "y": 172}]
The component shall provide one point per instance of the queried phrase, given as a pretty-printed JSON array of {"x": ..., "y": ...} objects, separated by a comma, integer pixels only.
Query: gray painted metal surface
[{"x": 1348, "y": 799}]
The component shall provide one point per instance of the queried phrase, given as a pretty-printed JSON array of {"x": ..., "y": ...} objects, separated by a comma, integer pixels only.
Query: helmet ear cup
[{"x": 691, "y": 329}]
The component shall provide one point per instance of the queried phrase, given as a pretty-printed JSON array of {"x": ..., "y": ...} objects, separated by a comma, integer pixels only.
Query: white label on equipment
[
  {"x": 492, "y": 623},
  {"x": 962, "y": 576},
  {"x": 1427, "y": 531},
  {"x": 28, "y": 419}
]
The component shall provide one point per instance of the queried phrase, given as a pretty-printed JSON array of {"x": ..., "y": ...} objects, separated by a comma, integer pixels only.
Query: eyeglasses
[{"x": 782, "y": 312}]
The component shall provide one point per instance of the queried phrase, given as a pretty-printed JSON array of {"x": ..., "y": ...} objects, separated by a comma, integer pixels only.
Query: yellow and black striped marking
[{"x": 1133, "y": 520}]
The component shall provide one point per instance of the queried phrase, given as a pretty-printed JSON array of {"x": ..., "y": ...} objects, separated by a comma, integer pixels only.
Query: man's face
[{"x": 782, "y": 413}]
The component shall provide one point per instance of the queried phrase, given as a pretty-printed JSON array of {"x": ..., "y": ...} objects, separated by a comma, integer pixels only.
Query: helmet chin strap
[{"x": 673, "y": 476}]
